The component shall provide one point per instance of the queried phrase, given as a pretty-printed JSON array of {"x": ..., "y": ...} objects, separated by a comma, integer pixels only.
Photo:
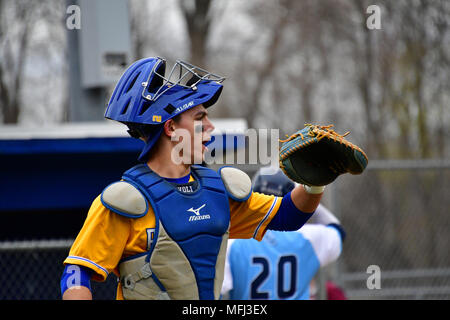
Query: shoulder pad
[
  {"x": 237, "y": 183},
  {"x": 124, "y": 199}
]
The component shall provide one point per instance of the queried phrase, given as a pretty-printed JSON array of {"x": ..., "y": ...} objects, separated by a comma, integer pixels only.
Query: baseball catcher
[{"x": 162, "y": 226}]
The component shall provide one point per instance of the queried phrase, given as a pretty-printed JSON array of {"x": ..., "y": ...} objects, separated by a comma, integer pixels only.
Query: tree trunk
[{"x": 198, "y": 25}]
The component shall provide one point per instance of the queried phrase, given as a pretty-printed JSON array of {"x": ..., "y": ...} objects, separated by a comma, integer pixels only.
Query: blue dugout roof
[
  {"x": 68, "y": 165},
  {"x": 93, "y": 137}
]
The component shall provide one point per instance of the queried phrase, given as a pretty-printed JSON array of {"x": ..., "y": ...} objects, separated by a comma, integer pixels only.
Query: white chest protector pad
[
  {"x": 124, "y": 199},
  {"x": 237, "y": 183}
]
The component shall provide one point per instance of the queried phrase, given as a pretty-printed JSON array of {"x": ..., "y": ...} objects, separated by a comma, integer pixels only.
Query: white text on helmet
[{"x": 184, "y": 106}]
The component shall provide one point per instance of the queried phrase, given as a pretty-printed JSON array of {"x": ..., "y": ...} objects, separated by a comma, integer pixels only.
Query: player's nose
[{"x": 207, "y": 125}]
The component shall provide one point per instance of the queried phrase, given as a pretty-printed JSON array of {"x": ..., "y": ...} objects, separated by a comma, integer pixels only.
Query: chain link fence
[
  {"x": 31, "y": 270},
  {"x": 397, "y": 219},
  {"x": 396, "y": 215}
]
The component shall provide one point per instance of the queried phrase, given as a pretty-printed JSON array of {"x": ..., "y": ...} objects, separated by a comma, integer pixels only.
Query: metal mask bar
[{"x": 168, "y": 83}]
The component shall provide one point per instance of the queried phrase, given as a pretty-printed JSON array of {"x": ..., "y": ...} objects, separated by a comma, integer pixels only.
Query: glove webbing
[{"x": 318, "y": 132}]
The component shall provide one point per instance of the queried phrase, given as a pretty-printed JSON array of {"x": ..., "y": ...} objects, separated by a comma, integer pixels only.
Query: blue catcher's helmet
[
  {"x": 145, "y": 98},
  {"x": 145, "y": 95},
  {"x": 272, "y": 181}
]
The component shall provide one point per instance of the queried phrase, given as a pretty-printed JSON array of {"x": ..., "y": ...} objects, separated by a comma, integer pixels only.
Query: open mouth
[
  {"x": 207, "y": 141},
  {"x": 205, "y": 145}
]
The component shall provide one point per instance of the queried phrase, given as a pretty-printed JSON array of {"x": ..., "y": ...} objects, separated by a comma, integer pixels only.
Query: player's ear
[
  {"x": 171, "y": 125},
  {"x": 169, "y": 128}
]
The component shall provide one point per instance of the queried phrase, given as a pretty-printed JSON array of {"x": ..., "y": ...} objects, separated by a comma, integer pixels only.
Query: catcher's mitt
[{"x": 317, "y": 155}]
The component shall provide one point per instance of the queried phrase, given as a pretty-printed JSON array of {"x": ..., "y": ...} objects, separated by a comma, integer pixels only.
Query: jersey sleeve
[
  {"x": 100, "y": 242},
  {"x": 249, "y": 219},
  {"x": 325, "y": 240}
]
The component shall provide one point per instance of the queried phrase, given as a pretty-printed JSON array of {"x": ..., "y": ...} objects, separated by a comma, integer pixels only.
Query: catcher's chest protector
[{"x": 187, "y": 255}]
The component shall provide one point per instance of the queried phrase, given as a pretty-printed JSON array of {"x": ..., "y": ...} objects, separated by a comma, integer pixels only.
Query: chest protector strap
[{"x": 190, "y": 233}]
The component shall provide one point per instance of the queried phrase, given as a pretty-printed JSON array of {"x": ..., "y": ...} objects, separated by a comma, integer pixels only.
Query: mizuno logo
[
  {"x": 196, "y": 211},
  {"x": 197, "y": 214}
]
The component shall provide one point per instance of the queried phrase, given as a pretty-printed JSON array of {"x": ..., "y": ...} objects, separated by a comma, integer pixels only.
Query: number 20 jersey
[{"x": 282, "y": 265}]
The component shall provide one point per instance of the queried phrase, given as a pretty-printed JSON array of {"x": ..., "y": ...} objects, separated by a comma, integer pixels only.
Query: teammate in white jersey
[{"x": 283, "y": 264}]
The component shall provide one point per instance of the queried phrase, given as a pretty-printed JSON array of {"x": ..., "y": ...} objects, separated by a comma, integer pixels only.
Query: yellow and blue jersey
[{"x": 106, "y": 238}]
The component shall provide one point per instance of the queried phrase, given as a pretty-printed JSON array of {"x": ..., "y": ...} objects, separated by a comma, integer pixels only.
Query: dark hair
[
  {"x": 138, "y": 130},
  {"x": 177, "y": 117}
]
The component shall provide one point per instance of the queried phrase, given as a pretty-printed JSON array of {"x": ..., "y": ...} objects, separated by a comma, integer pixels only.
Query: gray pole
[
  {"x": 88, "y": 102},
  {"x": 85, "y": 104}
]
